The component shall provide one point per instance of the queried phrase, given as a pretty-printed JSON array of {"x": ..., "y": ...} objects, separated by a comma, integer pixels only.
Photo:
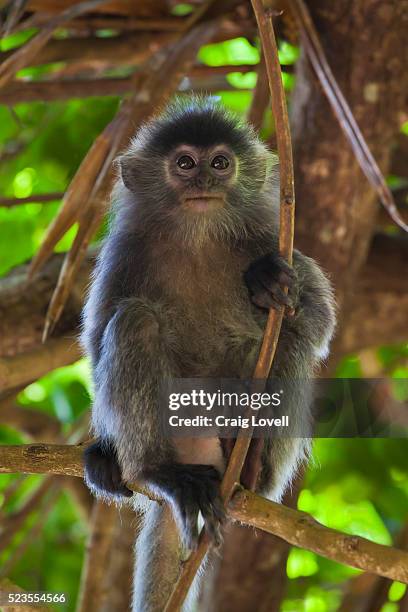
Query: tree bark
[{"x": 336, "y": 208}]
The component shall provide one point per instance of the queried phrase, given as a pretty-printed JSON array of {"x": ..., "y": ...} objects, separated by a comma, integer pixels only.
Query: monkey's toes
[
  {"x": 102, "y": 470},
  {"x": 194, "y": 489}
]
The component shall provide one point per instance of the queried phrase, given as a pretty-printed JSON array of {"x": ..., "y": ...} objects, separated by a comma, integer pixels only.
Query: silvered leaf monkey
[{"x": 182, "y": 289}]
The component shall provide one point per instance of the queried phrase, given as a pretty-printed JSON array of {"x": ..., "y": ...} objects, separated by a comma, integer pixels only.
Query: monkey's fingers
[{"x": 268, "y": 299}]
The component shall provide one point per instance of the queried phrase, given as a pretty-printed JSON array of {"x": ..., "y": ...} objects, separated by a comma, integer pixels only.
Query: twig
[
  {"x": 11, "y": 488},
  {"x": 15, "y": 10},
  {"x": 342, "y": 110},
  {"x": 22, "y": 56},
  {"x": 120, "y": 570},
  {"x": 40, "y": 198},
  {"x": 293, "y": 526},
  {"x": 272, "y": 330}
]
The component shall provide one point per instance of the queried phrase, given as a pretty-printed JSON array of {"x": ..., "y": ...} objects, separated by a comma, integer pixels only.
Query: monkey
[{"x": 182, "y": 288}]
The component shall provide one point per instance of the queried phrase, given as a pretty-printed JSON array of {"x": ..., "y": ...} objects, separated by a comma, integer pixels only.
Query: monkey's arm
[
  {"x": 304, "y": 340},
  {"x": 137, "y": 352}
]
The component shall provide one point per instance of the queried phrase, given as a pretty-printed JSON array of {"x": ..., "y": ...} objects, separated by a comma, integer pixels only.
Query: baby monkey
[{"x": 182, "y": 289}]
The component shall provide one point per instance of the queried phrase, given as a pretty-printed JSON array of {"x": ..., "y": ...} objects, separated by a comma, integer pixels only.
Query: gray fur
[{"x": 168, "y": 300}]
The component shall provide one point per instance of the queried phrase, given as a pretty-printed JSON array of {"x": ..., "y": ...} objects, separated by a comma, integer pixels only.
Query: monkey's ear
[{"x": 129, "y": 170}]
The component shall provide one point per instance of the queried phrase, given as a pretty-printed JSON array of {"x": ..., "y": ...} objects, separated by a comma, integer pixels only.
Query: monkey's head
[{"x": 198, "y": 166}]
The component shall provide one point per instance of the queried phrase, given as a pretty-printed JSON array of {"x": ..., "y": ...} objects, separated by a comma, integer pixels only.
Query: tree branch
[
  {"x": 20, "y": 370},
  {"x": 203, "y": 78},
  {"x": 302, "y": 530},
  {"x": 297, "y": 528},
  {"x": 93, "y": 593},
  {"x": 20, "y": 58}
]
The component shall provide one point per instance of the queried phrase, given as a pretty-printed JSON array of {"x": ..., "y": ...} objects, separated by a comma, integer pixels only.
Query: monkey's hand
[
  {"x": 102, "y": 470},
  {"x": 191, "y": 489},
  {"x": 266, "y": 278}
]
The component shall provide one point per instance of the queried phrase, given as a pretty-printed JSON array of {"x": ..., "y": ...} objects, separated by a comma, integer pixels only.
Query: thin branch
[
  {"x": 244, "y": 448},
  {"x": 293, "y": 526},
  {"x": 15, "y": 11},
  {"x": 260, "y": 97},
  {"x": 342, "y": 110},
  {"x": 131, "y": 49},
  {"x": 23, "y": 55},
  {"x": 92, "y": 591},
  {"x": 39, "y": 198}
]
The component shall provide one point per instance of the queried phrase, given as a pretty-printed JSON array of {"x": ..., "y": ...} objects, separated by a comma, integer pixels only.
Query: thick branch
[
  {"x": 297, "y": 528},
  {"x": 20, "y": 370},
  {"x": 302, "y": 530}
]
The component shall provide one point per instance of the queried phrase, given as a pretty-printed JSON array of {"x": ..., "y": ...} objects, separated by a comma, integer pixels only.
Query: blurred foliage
[{"x": 358, "y": 486}]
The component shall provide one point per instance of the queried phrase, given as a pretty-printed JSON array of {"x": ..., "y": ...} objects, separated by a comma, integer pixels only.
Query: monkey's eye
[
  {"x": 220, "y": 162},
  {"x": 185, "y": 162}
]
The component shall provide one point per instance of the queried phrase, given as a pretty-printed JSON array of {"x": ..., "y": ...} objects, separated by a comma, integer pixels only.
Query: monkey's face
[
  {"x": 201, "y": 177},
  {"x": 198, "y": 171}
]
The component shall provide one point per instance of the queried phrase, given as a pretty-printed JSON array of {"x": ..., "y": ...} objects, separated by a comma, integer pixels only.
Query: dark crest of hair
[{"x": 199, "y": 121}]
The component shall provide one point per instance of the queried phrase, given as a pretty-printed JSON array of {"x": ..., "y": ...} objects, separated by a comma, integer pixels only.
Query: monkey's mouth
[{"x": 203, "y": 202}]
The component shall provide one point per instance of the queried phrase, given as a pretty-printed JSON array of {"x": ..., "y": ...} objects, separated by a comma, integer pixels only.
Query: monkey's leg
[{"x": 139, "y": 350}]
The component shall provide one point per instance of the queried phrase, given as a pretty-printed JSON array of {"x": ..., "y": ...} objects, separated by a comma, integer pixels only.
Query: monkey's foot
[
  {"x": 191, "y": 489},
  {"x": 266, "y": 278},
  {"x": 102, "y": 470}
]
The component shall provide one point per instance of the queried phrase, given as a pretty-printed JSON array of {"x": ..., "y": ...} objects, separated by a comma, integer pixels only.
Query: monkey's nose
[{"x": 204, "y": 180}]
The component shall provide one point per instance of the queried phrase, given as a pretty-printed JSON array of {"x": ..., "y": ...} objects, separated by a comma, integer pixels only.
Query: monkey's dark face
[{"x": 201, "y": 177}]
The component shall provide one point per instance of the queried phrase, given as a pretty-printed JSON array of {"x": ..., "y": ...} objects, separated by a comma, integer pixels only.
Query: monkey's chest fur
[{"x": 209, "y": 311}]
